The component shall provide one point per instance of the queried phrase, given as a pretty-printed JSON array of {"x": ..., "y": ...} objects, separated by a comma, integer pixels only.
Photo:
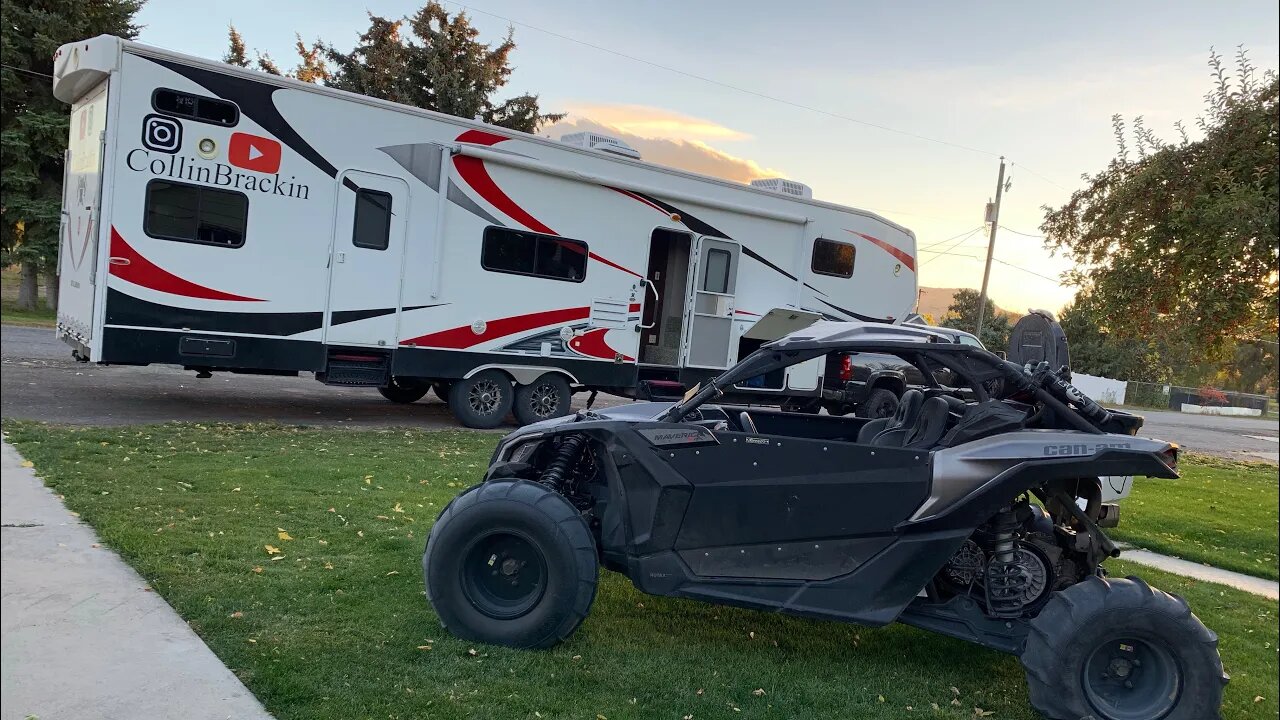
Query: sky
[{"x": 807, "y": 90}]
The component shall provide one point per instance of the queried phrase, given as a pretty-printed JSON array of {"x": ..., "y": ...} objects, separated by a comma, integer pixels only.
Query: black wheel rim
[
  {"x": 1132, "y": 679},
  {"x": 484, "y": 397},
  {"x": 544, "y": 401},
  {"x": 503, "y": 574}
]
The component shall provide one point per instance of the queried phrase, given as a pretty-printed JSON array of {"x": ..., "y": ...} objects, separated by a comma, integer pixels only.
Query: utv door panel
[
  {"x": 799, "y": 560},
  {"x": 754, "y": 490}
]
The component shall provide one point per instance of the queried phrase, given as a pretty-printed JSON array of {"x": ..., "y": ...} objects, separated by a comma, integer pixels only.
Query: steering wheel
[{"x": 748, "y": 425}]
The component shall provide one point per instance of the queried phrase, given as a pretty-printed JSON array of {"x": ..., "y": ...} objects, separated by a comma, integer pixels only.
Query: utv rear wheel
[
  {"x": 403, "y": 390},
  {"x": 881, "y": 403},
  {"x": 511, "y": 562},
  {"x": 1119, "y": 649},
  {"x": 545, "y": 398},
  {"x": 482, "y": 400}
]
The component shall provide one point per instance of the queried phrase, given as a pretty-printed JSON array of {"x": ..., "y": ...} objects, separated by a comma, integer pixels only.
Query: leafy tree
[
  {"x": 267, "y": 65},
  {"x": 236, "y": 54},
  {"x": 1180, "y": 242},
  {"x": 440, "y": 66},
  {"x": 33, "y": 125},
  {"x": 962, "y": 314},
  {"x": 1096, "y": 350},
  {"x": 311, "y": 67}
]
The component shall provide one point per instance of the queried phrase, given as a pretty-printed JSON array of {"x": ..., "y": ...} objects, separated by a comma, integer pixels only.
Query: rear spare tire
[
  {"x": 1119, "y": 649},
  {"x": 511, "y": 562},
  {"x": 880, "y": 403},
  {"x": 545, "y": 398},
  {"x": 482, "y": 400},
  {"x": 404, "y": 390}
]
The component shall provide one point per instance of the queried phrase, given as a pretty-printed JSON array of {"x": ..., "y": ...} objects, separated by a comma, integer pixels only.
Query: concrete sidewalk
[
  {"x": 1248, "y": 583},
  {"x": 83, "y": 637}
]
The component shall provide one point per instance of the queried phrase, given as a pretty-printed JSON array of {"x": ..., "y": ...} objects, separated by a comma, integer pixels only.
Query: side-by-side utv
[{"x": 975, "y": 512}]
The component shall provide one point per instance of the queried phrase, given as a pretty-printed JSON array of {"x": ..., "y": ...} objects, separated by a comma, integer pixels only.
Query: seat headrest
[
  {"x": 930, "y": 426},
  {"x": 908, "y": 409}
]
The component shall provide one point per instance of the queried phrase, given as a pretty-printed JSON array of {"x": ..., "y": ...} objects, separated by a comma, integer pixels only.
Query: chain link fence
[{"x": 1156, "y": 395}]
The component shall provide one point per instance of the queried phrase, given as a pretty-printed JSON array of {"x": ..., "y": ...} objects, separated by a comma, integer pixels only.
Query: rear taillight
[
  {"x": 846, "y": 368},
  {"x": 1170, "y": 457}
]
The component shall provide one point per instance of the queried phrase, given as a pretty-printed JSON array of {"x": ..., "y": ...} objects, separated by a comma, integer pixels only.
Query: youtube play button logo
[{"x": 255, "y": 153}]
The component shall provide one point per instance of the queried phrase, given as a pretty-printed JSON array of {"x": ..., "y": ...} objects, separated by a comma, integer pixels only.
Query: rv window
[
  {"x": 832, "y": 258},
  {"x": 195, "y": 107},
  {"x": 195, "y": 213},
  {"x": 715, "y": 278},
  {"x": 372, "y": 226},
  {"x": 525, "y": 253}
]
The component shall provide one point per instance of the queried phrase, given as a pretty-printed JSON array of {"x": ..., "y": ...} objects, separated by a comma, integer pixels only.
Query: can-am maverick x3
[{"x": 974, "y": 512}]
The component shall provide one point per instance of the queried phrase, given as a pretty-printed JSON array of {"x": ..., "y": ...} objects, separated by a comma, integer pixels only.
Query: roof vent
[
  {"x": 603, "y": 143},
  {"x": 783, "y": 186}
]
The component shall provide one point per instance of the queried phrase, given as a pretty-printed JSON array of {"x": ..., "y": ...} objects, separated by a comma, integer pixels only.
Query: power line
[
  {"x": 952, "y": 247},
  {"x": 735, "y": 88},
  {"x": 1033, "y": 272},
  {"x": 1042, "y": 177},
  {"x": 953, "y": 237},
  {"x": 1024, "y": 234},
  {"x": 29, "y": 72}
]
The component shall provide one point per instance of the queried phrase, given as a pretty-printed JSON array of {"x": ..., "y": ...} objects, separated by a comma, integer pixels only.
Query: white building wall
[{"x": 1102, "y": 390}]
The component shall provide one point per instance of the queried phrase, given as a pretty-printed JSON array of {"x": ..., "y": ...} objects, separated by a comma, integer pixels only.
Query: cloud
[
  {"x": 691, "y": 155},
  {"x": 655, "y": 123}
]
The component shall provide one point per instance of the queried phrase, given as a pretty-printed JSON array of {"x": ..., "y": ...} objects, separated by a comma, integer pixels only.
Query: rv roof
[{"x": 101, "y": 55}]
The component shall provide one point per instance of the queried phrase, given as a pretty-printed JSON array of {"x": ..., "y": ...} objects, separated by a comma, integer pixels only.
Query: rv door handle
[
  {"x": 648, "y": 284},
  {"x": 342, "y": 257}
]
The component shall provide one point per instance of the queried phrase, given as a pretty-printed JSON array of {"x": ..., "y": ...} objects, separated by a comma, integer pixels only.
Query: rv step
[
  {"x": 661, "y": 390},
  {"x": 356, "y": 370}
]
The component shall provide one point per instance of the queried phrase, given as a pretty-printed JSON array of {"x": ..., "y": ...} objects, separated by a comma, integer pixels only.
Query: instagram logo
[{"x": 161, "y": 134}]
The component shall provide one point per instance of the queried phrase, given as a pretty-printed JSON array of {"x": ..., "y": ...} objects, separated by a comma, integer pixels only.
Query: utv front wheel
[
  {"x": 511, "y": 562},
  {"x": 1119, "y": 649}
]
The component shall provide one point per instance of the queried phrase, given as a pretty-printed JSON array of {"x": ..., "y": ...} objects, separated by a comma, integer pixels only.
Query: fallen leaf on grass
[
  {"x": 424, "y": 647},
  {"x": 758, "y": 692},
  {"x": 272, "y": 549},
  {"x": 278, "y": 557},
  {"x": 1259, "y": 699},
  {"x": 237, "y": 614},
  {"x": 328, "y": 566},
  {"x": 397, "y": 508},
  {"x": 979, "y": 712},
  {"x": 472, "y": 652},
  {"x": 28, "y": 463},
  {"x": 257, "y": 568},
  {"x": 284, "y": 535},
  {"x": 393, "y": 572}
]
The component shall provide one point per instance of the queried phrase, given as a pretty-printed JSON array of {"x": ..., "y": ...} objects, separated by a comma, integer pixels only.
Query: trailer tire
[
  {"x": 441, "y": 389},
  {"x": 880, "y": 403},
  {"x": 404, "y": 390},
  {"x": 1117, "y": 648},
  {"x": 481, "y": 401},
  {"x": 511, "y": 562},
  {"x": 545, "y": 398}
]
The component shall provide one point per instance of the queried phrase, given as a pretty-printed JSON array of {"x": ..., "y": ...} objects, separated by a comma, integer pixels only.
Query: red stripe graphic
[
  {"x": 129, "y": 265},
  {"x": 463, "y": 337},
  {"x": 592, "y": 344},
  {"x": 480, "y": 137},
  {"x": 904, "y": 258},
  {"x": 476, "y": 175},
  {"x": 636, "y": 197}
]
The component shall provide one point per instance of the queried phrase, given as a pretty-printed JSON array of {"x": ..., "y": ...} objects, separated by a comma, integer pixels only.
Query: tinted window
[
  {"x": 967, "y": 340},
  {"x": 525, "y": 253},
  {"x": 372, "y": 226},
  {"x": 832, "y": 258},
  {"x": 194, "y": 213},
  {"x": 716, "y": 276},
  {"x": 195, "y": 107}
]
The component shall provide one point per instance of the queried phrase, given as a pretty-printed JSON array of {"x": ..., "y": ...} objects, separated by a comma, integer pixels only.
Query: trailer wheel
[
  {"x": 1118, "y": 649},
  {"x": 545, "y": 398},
  {"x": 482, "y": 400},
  {"x": 441, "y": 389},
  {"x": 403, "y": 390},
  {"x": 511, "y": 562}
]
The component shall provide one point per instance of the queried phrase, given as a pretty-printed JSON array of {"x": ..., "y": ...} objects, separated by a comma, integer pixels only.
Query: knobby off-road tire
[
  {"x": 511, "y": 562},
  {"x": 404, "y": 391},
  {"x": 1083, "y": 645}
]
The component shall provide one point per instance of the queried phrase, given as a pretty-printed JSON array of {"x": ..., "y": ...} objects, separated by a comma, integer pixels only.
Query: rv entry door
[
  {"x": 708, "y": 334},
  {"x": 364, "y": 264}
]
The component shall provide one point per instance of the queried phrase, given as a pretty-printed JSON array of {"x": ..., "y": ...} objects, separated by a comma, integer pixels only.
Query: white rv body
[{"x": 226, "y": 237}]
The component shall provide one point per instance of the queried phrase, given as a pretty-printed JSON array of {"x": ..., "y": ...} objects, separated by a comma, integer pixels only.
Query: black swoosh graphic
[
  {"x": 123, "y": 309},
  {"x": 854, "y": 315},
  {"x": 254, "y": 99},
  {"x": 341, "y": 317}
]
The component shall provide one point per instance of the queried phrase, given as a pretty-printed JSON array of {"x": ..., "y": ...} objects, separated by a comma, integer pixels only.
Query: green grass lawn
[
  {"x": 1221, "y": 513},
  {"x": 295, "y": 553},
  {"x": 10, "y": 313}
]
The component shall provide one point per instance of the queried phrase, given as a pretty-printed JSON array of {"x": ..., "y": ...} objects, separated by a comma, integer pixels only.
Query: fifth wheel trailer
[{"x": 222, "y": 219}]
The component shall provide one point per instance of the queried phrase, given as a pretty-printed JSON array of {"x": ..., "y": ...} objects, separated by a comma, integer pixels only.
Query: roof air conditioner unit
[
  {"x": 784, "y": 187},
  {"x": 603, "y": 143}
]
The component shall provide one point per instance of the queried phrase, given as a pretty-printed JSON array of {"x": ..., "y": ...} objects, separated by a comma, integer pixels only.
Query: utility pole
[{"x": 991, "y": 249}]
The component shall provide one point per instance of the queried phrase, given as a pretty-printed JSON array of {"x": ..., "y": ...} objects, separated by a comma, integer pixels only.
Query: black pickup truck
[{"x": 869, "y": 384}]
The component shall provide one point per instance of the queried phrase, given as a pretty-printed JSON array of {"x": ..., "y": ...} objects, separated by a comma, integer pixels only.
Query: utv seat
[
  {"x": 893, "y": 432},
  {"x": 930, "y": 426}
]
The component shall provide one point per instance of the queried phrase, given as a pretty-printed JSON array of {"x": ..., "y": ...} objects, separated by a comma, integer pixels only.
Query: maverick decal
[{"x": 208, "y": 172}]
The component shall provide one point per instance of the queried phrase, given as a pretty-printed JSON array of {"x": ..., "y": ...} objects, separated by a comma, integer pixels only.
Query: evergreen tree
[
  {"x": 962, "y": 314},
  {"x": 236, "y": 54},
  {"x": 33, "y": 125}
]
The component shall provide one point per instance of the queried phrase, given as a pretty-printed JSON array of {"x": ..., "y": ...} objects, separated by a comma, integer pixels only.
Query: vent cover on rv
[
  {"x": 603, "y": 143},
  {"x": 784, "y": 187}
]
